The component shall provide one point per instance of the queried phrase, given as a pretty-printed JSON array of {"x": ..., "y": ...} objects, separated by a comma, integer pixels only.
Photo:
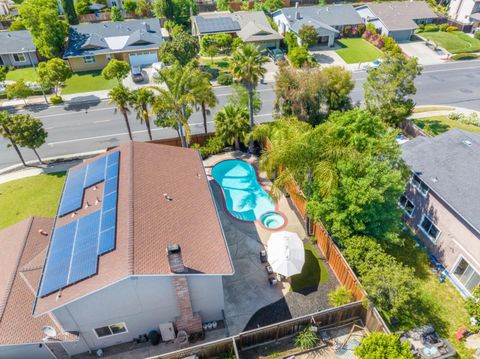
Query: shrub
[
  {"x": 299, "y": 56},
  {"x": 421, "y": 26},
  {"x": 464, "y": 56},
  {"x": 56, "y": 100},
  {"x": 213, "y": 146},
  {"x": 381, "y": 345},
  {"x": 347, "y": 31},
  {"x": 471, "y": 119},
  {"x": 443, "y": 27},
  {"x": 473, "y": 308},
  {"x": 306, "y": 339},
  {"x": 477, "y": 35},
  {"x": 391, "y": 46},
  {"x": 224, "y": 79},
  {"x": 360, "y": 29},
  {"x": 455, "y": 116},
  {"x": 291, "y": 41},
  {"x": 340, "y": 296},
  {"x": 452, "y": 28},
  {"x": 430, "y": 28}
]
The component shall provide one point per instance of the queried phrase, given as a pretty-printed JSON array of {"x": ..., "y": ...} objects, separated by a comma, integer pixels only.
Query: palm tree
[
  {"x": 140, "y": 100},
  {"x": 204, "y": 95},
  {"x": 247, "y": 65},
  {"x": 231, "y": 124},
  {"x": 121, "y": 96},
  {"x": 175, "y": 98}
]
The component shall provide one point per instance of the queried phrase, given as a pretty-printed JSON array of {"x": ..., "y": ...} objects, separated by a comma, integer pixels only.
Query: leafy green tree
[
  {"x": 269, "y": 5},
  {"x": 383, "y": 346},
  {"x": 291, "y": 41},
  {"x": 182, "y": 49},
  {"x": 232, "y": 125},
  {"x": 116, "y": 14},
  {"x": 140, "y": 100},
  {"x": 204, "y": 95},
  {"x": 116, "y": 69},
  {"x": 299, "y": 56},
  {"x": 27, "y": 131},
  {"x": 223, "y": 5},
  {"x": 181, "y": 11},
  {"x": 240, "y": 97},
  {"x": 308, "y": 35},
  {"x": 121, "y": 96},
  {"x": 6, "y": 132},
  {"x": 17, "y": 25},
  {"x": 163, "y": 9},
  {"x": 337, "y": 87},
  {"x": 81, "y": 7},
  {"x": 248, "y": 65},
  {"x": 130, "y": 6},
  {"x": 388, "y": 88},
  {"x": 211, "y": 51},
  {"x": 70, "y": 13},
  {"x": 40, "y": 17},
  {"x": 18, "y": 90},
  {"x": 54, "y": 73},
  {"x": 473, "y": 307},
  {"x": 3, "y": 73},
  {"x": 143, "y": 8}
]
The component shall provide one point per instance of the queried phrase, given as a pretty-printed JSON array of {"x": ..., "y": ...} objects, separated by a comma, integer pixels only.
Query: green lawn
[
  {"x": 32, "y": 196},
  {"x": 437, "y": 125},
  {"x": 28, "y": 74},
  {"x": 358, "y": 50},
  {"x": 313, "y": 271},
  {"x": 454, "y": 42},
  {"x": 220, "y": 64},
  {"x": 439, "y": 304},
  {"x": 432, "y": 108},
  {"x": 86, "y": 82}
]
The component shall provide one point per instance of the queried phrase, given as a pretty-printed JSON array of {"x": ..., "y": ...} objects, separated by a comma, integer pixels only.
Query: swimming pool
[{"x": 245, "y": 198}]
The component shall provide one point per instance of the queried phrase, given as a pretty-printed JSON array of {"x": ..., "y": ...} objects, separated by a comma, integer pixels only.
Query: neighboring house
[
  {"x": 442, "y": 201},
  {"x": 398, "y": 20},
  {"x": 465, "y": 11},
  {"x": 17, "y": 49},
  {"x": 91, "y": 46},
  {"x": 4, "y": 7},
  {"x": 250, "y": 26},
  {"x": 329, "y": 21},
  {"x": 137, "y": 245}
]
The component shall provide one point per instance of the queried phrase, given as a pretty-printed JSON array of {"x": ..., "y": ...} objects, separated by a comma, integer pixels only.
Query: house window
[
  {"x": 89, "y": 59},
  {"x": 466, "y": 275},
  {"x": 19, "y": 57},
  {"x": 429, "y": 228},
  {"x": 419, "y": 185},
  {"x": 406, "y": 205},
  {"x": 110, "y": 330}
]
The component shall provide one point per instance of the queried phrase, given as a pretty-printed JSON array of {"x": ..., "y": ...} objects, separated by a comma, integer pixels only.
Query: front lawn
[
  {"x": 439, "y": 304},
  {"x": 313, "y": 271},
  {"x": 437, "y": 125},
  {"x": 357, "y": 50},
  {"x": 27, "y": 197},
  {"x": 454, "y": 42},
  {"x": 87, "y": 82},
  {"x": 27, "y": 73},
  {"x": 220, "y": 64}
]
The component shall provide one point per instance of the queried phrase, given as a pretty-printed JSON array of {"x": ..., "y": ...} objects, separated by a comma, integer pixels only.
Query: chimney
[
  {"x": 147, "y": 26},
  {"x": 297, "y": 13},
  {"x": 188, "y": 320}
]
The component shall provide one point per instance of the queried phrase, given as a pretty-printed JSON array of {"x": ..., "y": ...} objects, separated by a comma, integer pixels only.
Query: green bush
[
  {"x": 380, "y": 345},
  {"x": 430, "y": 28},
  {"x": 56, "y": 100},
  {"x": 473, "y": 308},
  {"x": 443, "y": 27},
  {"x": 306, "y": 339},
  {"x": 464, "y": 56},
  {"x": 224, "y": 79},
  {"x": 471, "y": 119},
  {"x": 421, "y": 26},
  {"x": 291, "y": 41},
  {"x": 477, "y": 35},
  {"x": 299, "y": 56},
  {"x": 213, "y": 146},
  {"x": 340, "y": 296},
  {"x": 452, "y": 28}
]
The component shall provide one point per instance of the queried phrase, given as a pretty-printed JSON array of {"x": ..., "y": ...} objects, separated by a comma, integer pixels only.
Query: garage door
[{"x": 143, "y": 58}]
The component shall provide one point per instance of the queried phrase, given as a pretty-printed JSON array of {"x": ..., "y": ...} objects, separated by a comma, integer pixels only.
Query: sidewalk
[
  {"x": 461, "y": 110},
  {"x": 71, "y": 98}
]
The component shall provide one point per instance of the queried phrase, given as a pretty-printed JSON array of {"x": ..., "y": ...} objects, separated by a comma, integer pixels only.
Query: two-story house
[
  {"x": 465, "y": 11},
  {"x": 442, "y": 201}
]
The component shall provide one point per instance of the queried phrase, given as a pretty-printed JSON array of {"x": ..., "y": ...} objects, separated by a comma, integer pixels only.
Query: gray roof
[
  {"x": 248, "y": 25},
  {"x": 475, "y": 17},
  {"x": 297, "y": 25},
  {"x": 335, "y": 15},
  {"x": 401, "y": 15},
  {"x": 13, "y": 42},
  {"x": 108, "y": 37},
  {"x": 450, "y": 165}
]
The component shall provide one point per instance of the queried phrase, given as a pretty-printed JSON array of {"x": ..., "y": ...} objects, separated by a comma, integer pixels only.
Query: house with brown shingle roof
[{"x": 136, "y": 245}]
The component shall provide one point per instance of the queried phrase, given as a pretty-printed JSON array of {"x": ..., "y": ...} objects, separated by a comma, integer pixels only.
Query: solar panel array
[
  {"x": 75, "y": 247},
  {"x": 218, "y": 24}
]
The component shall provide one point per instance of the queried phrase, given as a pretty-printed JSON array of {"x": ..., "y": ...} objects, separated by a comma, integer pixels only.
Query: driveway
[
  {"x": 148, "y": 73},
  {"x": 325, "y": 55},
  {"x": 426, "y": 55}
]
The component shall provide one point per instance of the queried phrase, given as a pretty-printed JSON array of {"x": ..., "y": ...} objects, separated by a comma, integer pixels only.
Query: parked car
[
  {"x": 373, "y": 64},
  {"x": 137, "y": 74},
  {"x": 158, "y": 66},
  {"x": 276, "y": 55}
]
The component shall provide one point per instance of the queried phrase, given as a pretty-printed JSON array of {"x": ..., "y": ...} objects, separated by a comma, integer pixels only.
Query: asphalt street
[{"x": 94, "y": 125}]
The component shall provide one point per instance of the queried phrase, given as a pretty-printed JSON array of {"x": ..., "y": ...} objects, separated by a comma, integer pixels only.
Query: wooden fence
[
  {"x": 199, "y": 138},
  {"x": 103, "y": 16}
]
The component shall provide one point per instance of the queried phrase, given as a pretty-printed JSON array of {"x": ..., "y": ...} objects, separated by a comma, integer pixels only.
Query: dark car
[
  {"x": 137, "y": 74},
  {"x": 276, "y": 55}
]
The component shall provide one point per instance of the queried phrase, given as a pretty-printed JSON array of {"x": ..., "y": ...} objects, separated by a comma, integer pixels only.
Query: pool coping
[{"x": 260, "y": 182}]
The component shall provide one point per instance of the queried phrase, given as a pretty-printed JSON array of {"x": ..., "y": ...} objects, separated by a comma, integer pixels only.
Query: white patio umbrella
[{"x": 286, "y": 253}]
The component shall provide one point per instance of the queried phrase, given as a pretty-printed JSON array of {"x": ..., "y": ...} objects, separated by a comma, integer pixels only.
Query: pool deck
[{"x": 248, "y": 291}]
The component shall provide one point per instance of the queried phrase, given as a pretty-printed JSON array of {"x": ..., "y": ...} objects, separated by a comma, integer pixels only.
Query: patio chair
[
  {"x": 273, "y": 281},
  {"x": 263, "y": 256},
  {"x": 269, "y": 269}
]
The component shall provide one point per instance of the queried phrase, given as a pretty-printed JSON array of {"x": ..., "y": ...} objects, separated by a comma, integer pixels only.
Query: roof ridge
[
  {"x": 131, "y": 212},
  {"x": 11, "y": 280}
]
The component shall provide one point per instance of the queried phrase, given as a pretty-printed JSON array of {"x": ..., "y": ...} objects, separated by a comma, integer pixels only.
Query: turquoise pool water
[
  {"x": 272, "y": 220},
  {"x": 244, "y": 197}
]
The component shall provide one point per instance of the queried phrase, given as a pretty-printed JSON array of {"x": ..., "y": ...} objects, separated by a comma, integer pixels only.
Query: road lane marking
[
  {"x": 102, "y": 121},
  {"x": 86, "y": 112}
]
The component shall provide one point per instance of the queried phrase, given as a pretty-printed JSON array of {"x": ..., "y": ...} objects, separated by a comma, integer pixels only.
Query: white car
[
  {"x": 374, "y": 64},
  {"x": 158, "y": 66}
]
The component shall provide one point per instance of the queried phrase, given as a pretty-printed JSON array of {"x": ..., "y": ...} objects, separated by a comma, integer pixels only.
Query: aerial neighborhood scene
[{"x": 239, "y": 179}]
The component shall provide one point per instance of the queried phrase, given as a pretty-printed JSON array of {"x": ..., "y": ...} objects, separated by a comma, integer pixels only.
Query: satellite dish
[{"x": 49, "y": 331}]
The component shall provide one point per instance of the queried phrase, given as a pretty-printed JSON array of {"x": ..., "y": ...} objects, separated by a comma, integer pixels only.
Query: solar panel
[
  {"x": 110, "y": 201},
  {"x": 112, "y": 171},
  {"x": 95, "y": 172},
  {"x": 73, "y": 191},
  {"x": 110, "y": 186},
  {"x": 113, "y": 158}
]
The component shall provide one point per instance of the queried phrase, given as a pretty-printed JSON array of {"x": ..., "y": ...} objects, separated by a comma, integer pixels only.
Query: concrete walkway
[{"x": 462, "y": 110}]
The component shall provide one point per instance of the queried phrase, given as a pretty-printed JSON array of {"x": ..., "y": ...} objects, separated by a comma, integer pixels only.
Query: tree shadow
[
  {"x": 307, "y": 281},
  {"x": 433, "y": 127},
  {"x": 82, "y": 103},
  {"x": 270, "y": 314}
]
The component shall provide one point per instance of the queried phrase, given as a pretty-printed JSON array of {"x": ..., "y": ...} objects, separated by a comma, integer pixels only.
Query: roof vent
[
  {"x": 434, "y": 179},
  {"x": 167, "y": 197},
  {"x": 43, "y": 232},
  {"x": 467, "y": 143}
]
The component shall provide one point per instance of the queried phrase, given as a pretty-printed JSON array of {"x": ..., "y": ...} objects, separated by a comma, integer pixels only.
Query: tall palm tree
[
  {"x": 175, "y": 98},
  {"x": 231, "y": 124},
  {"x": 204, "y": 95},
  {"x": 121, "y": 96},
  {"x": 140, "y": 100},
  {"x": 247, "y": 66}
]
